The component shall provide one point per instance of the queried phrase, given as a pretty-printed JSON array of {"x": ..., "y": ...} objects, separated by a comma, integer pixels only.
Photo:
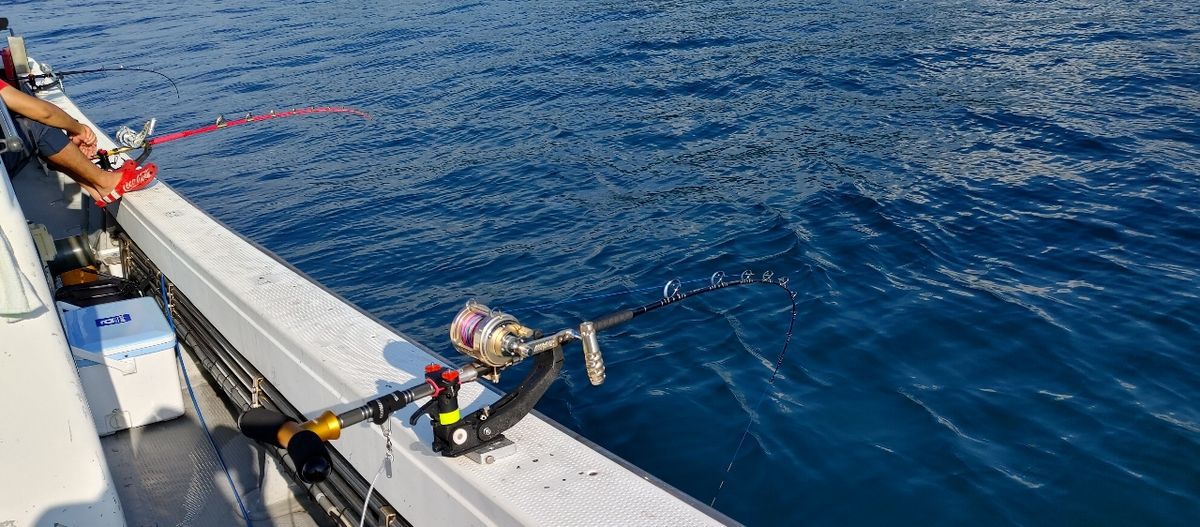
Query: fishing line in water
[
  {"x": 671, "y": 295},
  {"x": 766, "y": 390}
]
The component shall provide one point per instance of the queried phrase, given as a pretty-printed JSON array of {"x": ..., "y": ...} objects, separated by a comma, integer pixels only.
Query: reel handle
[{"x": 593, "y": 361}]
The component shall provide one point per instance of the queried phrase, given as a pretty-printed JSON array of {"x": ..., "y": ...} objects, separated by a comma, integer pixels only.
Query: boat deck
[{"x": 169, "y": 474}]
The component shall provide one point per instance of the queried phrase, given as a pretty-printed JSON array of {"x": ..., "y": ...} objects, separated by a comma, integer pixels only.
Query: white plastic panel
[{"x": 54, "y": 469}]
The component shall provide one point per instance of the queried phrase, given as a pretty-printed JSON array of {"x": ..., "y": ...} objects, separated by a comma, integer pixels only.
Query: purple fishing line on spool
[{"x": 466, "y": 331}]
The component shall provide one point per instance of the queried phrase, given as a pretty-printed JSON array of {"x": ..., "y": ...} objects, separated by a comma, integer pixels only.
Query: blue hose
[{"x": 196, "y": 404}]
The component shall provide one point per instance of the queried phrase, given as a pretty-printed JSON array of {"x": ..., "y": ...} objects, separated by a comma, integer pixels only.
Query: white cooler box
[{"x": 125, "y": 354}]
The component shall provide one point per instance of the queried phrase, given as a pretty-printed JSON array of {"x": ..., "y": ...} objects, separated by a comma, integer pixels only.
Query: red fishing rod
[{"x": 135, "y": 140}]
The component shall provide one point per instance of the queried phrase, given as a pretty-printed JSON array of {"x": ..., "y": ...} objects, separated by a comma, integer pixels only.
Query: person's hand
[{"x": 85, "y": 139}]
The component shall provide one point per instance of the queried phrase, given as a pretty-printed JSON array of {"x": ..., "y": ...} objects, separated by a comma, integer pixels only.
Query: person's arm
[{"x": 49, "y": 115}]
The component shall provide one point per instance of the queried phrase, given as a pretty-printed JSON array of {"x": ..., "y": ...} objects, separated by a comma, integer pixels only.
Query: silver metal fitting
[{"x": 592, "y": 360}]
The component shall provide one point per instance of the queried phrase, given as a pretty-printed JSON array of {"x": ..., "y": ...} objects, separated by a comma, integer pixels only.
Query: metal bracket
[
  {"x": 490, "y": 452},
  {"x": 255, "y": 396},
  {"x": 171, "y": 296},
  {"x": 390, "y": 516}
]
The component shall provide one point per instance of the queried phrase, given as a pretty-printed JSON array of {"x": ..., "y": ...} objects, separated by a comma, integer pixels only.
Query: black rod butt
[{"x": 262, "y": 425}]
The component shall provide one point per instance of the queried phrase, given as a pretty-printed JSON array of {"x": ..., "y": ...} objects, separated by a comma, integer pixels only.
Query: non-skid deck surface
[
  {"x": 168, "y": 473},
  {"x": 45, "y": 201}
]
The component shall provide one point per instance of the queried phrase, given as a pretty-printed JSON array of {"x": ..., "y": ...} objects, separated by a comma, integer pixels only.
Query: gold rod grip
[
  {"x": 285, "y": 433},
  {"x": 326, "y": 426}
]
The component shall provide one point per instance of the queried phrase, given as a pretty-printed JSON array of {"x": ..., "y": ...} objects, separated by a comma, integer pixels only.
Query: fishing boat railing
[{"x": 12, "y": 140}]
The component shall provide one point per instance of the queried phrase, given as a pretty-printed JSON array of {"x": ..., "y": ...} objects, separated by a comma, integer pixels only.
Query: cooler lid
[{"x": 120, "y": 330}]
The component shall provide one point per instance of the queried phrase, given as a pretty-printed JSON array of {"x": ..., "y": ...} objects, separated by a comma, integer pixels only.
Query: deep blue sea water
[{"x": 989, "y": 209}]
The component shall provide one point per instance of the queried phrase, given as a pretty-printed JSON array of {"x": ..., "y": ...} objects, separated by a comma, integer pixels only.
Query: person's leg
[
  {"x": 53, "y": 146},
  {"x": 94, "y": 180}
]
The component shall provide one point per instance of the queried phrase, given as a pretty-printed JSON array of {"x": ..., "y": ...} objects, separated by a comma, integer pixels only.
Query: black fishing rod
[
  {"x": 495, "y": 341},
  {"x": 672, "y": 295},
  {"x": 57, "y": 75}
]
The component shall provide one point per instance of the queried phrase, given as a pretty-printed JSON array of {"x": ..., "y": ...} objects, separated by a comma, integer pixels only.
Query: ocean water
[{"x": 989, "y": 211}]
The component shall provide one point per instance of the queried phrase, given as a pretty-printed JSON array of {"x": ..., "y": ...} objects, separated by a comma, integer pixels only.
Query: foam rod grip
[
  {"x": 262, "y": 425},
  {"x": 612, "y": 319}
]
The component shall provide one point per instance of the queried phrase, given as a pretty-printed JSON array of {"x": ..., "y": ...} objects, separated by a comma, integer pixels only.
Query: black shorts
[{"x": 47, "y": 140}]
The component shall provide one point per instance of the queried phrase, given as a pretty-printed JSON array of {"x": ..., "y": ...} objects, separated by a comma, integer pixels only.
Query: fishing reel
[
  {"x": 129, "y": 140},
  {"x": 48, "y": 79},
  {"x": 496, "y": 341}
]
